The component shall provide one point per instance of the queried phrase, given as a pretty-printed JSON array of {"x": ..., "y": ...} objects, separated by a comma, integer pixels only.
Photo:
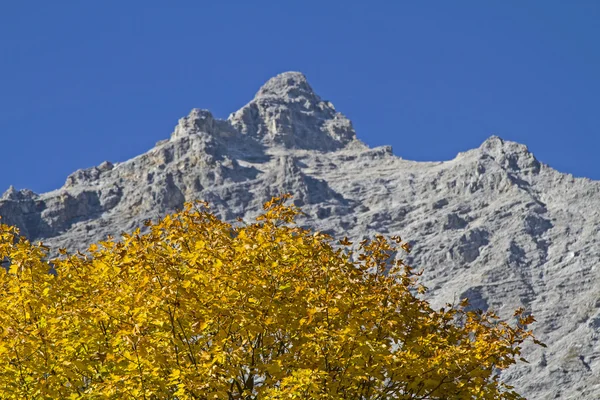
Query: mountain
[{"x": 494, "y": 224}]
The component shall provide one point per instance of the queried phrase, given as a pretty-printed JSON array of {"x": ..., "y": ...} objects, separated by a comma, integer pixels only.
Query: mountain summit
[
  {"x": 286, "y": 112},
  {"x": 494, "y": 224},
  {"x": 288, "y": 85}
]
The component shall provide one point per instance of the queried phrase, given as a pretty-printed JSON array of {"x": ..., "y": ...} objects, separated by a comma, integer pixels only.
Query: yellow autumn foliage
[{"x": 199, "y": 309}]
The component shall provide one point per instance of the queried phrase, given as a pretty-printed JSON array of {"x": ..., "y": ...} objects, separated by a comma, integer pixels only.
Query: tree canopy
[{"x": 197, "y": 308}]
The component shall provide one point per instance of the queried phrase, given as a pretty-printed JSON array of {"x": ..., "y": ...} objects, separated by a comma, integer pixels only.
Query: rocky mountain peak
[
  {"x": 10, "y": 193},
  {"x": 286, "y": 112},
  {"x": 513, "y": 156},
  {"x": 495, "y": 143},
  {"x": 290, "y": 85},
  {"x": 13, "y": 194},
  {"x": 197, "y": 121}
]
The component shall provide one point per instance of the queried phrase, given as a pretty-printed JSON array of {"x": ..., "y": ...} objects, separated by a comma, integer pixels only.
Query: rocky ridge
[{"x": 494, "y": 224}]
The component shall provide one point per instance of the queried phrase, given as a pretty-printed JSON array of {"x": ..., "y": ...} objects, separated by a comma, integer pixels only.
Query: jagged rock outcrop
[
  {"x": 287, "y": 112},
  {"x": 494, "y": 224}
]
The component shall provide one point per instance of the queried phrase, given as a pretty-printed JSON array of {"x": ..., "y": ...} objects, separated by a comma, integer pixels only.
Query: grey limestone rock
[
  {"x": 494, "y": 224},
  {"x": 287, "y": 112}
]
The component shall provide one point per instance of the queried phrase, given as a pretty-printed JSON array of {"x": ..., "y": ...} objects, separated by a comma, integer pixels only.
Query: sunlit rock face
[
  {"x": 286, "y": 112},
  {"x": 494, "y": 224}
]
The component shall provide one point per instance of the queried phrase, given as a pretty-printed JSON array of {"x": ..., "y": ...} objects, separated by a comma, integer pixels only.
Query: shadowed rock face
[{"x": 493, "y": 224}]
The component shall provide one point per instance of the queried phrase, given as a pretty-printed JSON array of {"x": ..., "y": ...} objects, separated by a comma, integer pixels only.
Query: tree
[{"x": 199, "y": 309}]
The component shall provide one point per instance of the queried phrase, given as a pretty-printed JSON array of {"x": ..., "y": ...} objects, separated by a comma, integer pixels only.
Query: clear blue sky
[{"x": 82, "y": 82}]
